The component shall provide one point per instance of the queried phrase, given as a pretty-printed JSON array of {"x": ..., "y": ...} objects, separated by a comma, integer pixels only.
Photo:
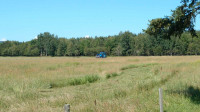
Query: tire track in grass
[
  {"x": 153, "y": 83},
  {"x": 138, "y": 66}
]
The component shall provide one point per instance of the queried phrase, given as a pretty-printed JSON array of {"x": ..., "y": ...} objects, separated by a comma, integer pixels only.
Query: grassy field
[{"x": 114, "y": 84}]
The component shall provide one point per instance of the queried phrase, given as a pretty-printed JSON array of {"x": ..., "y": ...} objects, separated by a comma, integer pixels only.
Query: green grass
[
  {"x": 84, "y": 80},
  {"x": 138, "y": 66},
  {"x": 74, "y": 81},
  {"x": 114, "y": 84},
  {"x": 110, "y": 75}
]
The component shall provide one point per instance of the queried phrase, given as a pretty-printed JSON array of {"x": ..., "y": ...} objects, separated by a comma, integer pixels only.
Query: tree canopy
[
  {"x": 123, "y": 44},
  {"x": 181, "y": 20}
]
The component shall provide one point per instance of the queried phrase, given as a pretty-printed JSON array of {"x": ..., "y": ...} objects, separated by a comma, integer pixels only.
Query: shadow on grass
[{"x": 193, "y": 93}]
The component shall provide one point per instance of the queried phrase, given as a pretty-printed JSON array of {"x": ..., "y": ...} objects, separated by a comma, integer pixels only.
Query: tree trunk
[{"x": 41, "y": 52}]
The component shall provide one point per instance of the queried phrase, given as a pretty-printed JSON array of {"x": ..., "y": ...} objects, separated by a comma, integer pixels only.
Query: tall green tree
[
  {"x": 125, "y": 42},
  {"x": 62, "y": 46},
  {"x": 181, "y": 20},
  {"x": 45, "y": 43}
]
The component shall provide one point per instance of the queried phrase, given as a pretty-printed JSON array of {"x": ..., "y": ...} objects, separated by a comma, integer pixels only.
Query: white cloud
[
  {"x": 87, "y": 36},
  {"x": 35, "y": 37},
  {"x": 3, "y": 39}
]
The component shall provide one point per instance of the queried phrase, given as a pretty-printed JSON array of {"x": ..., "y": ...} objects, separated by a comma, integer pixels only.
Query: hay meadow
[{"x": 88, "y": 84}]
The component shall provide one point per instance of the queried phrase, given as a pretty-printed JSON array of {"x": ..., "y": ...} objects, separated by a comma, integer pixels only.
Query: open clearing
[{"x": 114, "y": 84}]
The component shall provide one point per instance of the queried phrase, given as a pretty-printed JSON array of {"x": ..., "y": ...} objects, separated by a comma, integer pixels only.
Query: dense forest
[
  {"x": 123, "y": 44},
  {"x": 171, "y": 35}
]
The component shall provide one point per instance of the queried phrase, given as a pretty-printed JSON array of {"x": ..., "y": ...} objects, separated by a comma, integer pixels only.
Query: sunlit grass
[{"x": 124, "y": 84}]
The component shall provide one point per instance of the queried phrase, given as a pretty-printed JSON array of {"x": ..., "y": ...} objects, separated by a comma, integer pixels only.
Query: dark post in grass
[
  {"x": 67, "y": 108},
  {"x": 161, "y": 100}
]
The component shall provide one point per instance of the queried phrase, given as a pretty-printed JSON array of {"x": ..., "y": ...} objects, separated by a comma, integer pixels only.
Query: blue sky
[{"x": 23, "y": 20}]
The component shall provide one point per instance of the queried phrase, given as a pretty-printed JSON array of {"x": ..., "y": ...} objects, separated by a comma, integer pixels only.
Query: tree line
[{"x": 123, "y": 44}]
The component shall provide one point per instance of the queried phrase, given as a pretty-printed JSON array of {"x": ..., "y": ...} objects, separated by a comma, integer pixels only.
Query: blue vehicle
[{"x": 101, "y": 55}]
